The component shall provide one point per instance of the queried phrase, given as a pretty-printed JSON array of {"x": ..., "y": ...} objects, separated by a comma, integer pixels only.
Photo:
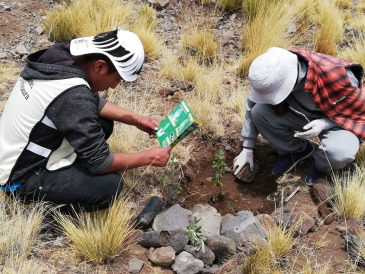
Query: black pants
[{"x": 75, "y": 186}]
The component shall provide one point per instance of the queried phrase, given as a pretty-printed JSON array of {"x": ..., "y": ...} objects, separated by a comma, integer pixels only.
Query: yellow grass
[
  {"x": 267, "y": 29},
  {"x": 281, "y": 241},
  {"x": 20, "y": 226},
  {"x": 345, "y": 4},
  {"x": 102, "y": 235},
  {"x": 231, "y": 4},
  {"x": 330, "y": 27},
  {"x": 152, "y": 43},
  {"x": 200, "y": 42},
  {"x": 349, "y": 193}
]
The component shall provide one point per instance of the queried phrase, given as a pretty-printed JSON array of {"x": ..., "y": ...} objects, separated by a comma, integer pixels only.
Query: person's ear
[{"x": 100, "y": 67}]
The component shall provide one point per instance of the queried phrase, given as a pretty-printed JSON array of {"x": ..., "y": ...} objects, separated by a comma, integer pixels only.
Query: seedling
[
  {"x": 194, "y": 234},
  {"x": 219, "y": 165},
  {"x": 171, "y": 177}
]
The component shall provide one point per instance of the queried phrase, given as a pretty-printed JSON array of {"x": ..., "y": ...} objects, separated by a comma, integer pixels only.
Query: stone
[
  {"x": 306, "y": 226},
  {"x": 326, "y": 214},
  {"x": 210, "y": 270},
  {"x": 183, "y": 84},
  {"x": 207, "y": 256},
  {"x": 135, "y": 265},
  {"x": 149, "y": 239},
  {"x": 162, "y": 256},
  {"x": 222, "y": 247},
  {"x": 322, "y": 190},
  {"x": 210, "y": 219},
  {"x": 185, "y": 263},
  {"x": 149, "y": 212},
  {"x": 43, "y": 43},
  {"x": 164, "y": 92},
  {"x": 21, "y": 50},
  {"x": 3, "y": 55},
  {"x": 172, "y": 219},
  {"x": 178, "y": 241},
  {"x": 39, "y": 30},
  {"x": 267, "y": 221},
  {"x": 242, "y": 224},
  {"x": 246, "y": 175}
]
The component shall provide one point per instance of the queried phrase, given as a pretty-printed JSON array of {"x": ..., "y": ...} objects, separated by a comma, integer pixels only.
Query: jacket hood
[{"x": 54, "y": 63}]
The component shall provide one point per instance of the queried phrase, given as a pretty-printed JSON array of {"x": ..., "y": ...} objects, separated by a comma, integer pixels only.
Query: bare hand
[
  {"x": 159, "y": 156},
  {"x": 148, "y": 125}
]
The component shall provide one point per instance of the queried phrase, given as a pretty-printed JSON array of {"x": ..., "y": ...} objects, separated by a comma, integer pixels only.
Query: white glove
[
  {"x": 313, "y": 128},
  {"x": 245, "y": 157}
]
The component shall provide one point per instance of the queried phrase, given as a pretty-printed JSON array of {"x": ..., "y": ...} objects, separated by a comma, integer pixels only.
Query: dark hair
[{"x": 98, "y": 56}]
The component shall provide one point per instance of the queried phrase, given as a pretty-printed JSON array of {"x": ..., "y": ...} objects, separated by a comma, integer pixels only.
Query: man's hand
[
  {"x": 313, "y": 128},
  {"x": 148, "y": 125},
  {"x": 245, "y": 157},
  {"x": 159, "y": 156}
]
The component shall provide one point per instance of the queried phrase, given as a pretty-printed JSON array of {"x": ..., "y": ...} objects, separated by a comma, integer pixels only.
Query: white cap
[
  {"x": 272, "y": 76},
  {"x": 127, "y": 65}
]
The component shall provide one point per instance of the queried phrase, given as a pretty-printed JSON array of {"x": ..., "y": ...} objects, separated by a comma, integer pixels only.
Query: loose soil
[{"x": 262, "y": 196}]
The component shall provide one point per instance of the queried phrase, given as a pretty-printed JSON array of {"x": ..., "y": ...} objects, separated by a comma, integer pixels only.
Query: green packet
[{"x": 177, "y": 125}]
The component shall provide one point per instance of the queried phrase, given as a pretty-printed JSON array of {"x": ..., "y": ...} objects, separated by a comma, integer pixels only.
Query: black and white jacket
[{"x": 50, "y": 119}]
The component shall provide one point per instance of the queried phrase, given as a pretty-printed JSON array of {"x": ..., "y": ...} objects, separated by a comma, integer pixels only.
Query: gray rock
[
  {"x": 162, "y": 256},
  {"x": 174, "y": 218},
  {"x": 246, "y": 175},
  {"x": 166, "y": 27},
  {"x": 222, "y": 247},
  {"x": 135, "y": 266},
  {"x": 3, "y": 55},
  {"x": 242, "y": 224},
  {"x": 21, "y": 50},
  {"x": 178, "y": 240},
  {"x": 207, "y": 256},
  {"x": 185, "y": 263},
  {"x": 210, "y": 219},
  {"x": 149, "y": 239},
  {"x": 210, "y": 270}
]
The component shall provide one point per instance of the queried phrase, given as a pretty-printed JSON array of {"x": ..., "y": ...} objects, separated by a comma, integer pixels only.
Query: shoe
[
  {"x": 286, "y": 162},
  {"x": 314, "y": 174}
]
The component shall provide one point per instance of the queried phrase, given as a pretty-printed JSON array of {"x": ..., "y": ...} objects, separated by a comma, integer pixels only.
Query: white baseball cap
[
  {"x": 272, "y": 76},
  {"x": 131, "y": 53}
]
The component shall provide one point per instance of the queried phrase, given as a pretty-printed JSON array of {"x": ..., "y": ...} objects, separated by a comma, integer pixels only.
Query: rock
[
  {"x": 326, "y": 214},
  {"x": 322, "y": 190},
  {"x": 178, "y": 241},
  {"x": 149, "y": 239},
  {"x": 172, "y": 219},
  {"x": 164, "y": 92},
  {"x": 162, "y": 256},
  {"x": 210, "y": 270},
  {"x": 207, "y": 256},
  {"x": 183, "y": 84},
  {"x": 222, "y": 247},
  {"x": 166, "y": 27},
  {"x": 135, "y": 266},
  {"x": 267, "y": 221},
  {"x": 159, "y": 4},
  {"x": 246, "y": 175},
  {"x": 21, "y": 50},
  {"x": 3, "y": 55},
  {"x": 306, "y": 226},
  {"x": 242, "y": 224},
  {"x": 285, "y": 219},
  {"x": 43, "y": 43},
  {"x": 39, "y": 30},
  {"x": 210, "y": 219},
  {"x": 185, "y": 263},
  {"x": 151, "y": 209}
]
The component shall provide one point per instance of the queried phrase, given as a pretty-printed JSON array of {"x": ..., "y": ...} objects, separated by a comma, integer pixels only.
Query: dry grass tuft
[
  {"x": 102, "y": 235},
  {"x": 281, "y": 240},
  {"x": 152, "y": 43},
  {"x": 86, "y": 18},
  {"x": 20, "y": 226},
  {"x": 200, "y": 43},
  {"x": 349, "y": 193},
  {"x": 231, "y": 4},
  {"x": 271, "y": 21},
  {"x": 330, "y": 27}
]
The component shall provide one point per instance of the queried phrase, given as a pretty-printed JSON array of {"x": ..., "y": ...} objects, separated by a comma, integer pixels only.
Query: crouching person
[
  {"x": 54, "y": 126},
  {"x": 298, "y": 95}
]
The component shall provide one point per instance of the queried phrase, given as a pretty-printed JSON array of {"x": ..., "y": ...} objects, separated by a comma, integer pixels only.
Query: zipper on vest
[{"x": 339, "y": 100}]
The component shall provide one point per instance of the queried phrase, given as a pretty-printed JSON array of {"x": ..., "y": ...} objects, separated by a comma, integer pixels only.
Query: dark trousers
[{"x": 75, "y": 187}]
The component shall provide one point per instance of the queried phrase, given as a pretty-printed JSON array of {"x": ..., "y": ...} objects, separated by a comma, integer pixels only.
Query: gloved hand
[
  {"x": 313, "y": 128},
  {"x": 245, "y": 157}
]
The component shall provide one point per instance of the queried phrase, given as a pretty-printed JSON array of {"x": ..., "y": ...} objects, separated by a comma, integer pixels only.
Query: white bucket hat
[
  {"x": 127, "y": 65},
  {"x": 272, "y": 76}
]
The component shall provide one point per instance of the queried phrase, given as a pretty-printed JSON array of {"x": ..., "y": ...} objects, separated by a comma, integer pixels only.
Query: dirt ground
[{"x": 262, "y": 196}]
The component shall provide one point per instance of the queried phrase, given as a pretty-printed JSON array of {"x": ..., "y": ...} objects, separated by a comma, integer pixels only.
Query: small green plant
[
  {"x": 171, "y": 176},
  {"x": 194, "y": 234},
  {"x": 219, "y": 165}
]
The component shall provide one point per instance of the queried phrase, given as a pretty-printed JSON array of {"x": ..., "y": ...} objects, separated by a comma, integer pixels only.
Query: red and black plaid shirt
[{"x": 332, "y": 90}]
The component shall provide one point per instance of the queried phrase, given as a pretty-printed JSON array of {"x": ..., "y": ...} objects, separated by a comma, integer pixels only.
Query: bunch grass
[
  {"x": 102, "y": 235},
  {"x": 349, "y": 193}
]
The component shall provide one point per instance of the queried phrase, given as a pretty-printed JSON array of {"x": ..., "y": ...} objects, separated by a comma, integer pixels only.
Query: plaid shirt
[{"x": 332, "y": 90}]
